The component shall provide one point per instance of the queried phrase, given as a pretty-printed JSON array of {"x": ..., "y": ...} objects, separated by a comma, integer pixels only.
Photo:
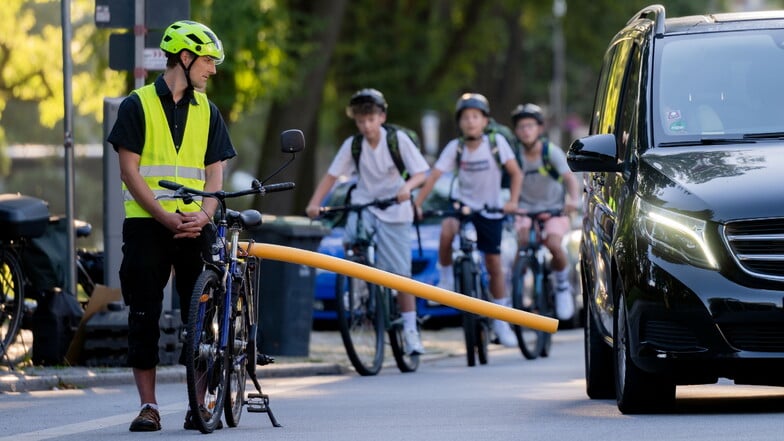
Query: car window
[
  {"x": 608, "y": 108},
  {"x": 627, "y": 120},
  {"x": 720, "y": 84}
]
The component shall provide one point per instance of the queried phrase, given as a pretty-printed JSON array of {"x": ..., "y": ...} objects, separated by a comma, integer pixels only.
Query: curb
[{"x": 81, "y": 378}]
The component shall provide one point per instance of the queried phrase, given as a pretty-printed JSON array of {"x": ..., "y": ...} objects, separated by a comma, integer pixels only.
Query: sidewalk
[{"x": 326, "y": 357}]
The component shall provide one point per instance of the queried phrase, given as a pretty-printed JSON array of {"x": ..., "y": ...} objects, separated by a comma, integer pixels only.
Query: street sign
[
  {"x": 120, "y": 14},
  {"x": 121, "y": 47},
  {"x": 154, "y": 59}
]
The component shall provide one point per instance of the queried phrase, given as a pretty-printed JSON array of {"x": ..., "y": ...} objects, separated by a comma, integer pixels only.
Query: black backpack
[{"x": 394, "y": 148}]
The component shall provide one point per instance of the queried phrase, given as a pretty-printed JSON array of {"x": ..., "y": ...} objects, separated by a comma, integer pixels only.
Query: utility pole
[{"x": 559, "y": 74}]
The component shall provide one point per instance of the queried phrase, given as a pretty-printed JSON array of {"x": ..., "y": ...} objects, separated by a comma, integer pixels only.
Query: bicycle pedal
[
  {"x": 258, "y": 403},
  {"x": 264, "y": 359}
]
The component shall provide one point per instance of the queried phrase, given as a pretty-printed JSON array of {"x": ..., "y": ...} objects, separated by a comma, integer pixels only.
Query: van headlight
[{"x": 676, "y": 235}]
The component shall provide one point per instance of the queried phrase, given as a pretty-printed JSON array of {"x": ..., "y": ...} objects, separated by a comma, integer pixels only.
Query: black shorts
[
  {"x": 150, "y": 252},
  {"x": 488, "y": 233}
]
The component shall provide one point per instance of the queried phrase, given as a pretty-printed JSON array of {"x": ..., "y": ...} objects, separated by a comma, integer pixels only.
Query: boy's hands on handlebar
[
  {"x": 313, "y": 211},
  {"x": 510, "y": 207}
]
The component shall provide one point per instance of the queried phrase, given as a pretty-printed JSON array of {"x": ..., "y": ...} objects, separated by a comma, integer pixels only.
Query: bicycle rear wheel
[
  {"x": 11, "y": 300},
  {"x": 239, "y": 330},
  {"x": 529, "y": 340},
  {"x": 361, "y": 323},
  {"x": 405, "y": 362},
  {"x": 465, "y": 278},
  {"x": 206, "y": 364}
]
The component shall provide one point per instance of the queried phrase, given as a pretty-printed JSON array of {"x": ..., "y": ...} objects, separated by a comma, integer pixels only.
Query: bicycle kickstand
[{"x": 259, "y": 402}]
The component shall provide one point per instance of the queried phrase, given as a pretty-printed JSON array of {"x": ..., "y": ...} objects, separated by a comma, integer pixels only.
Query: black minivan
[{"x": 683, "y": 234}]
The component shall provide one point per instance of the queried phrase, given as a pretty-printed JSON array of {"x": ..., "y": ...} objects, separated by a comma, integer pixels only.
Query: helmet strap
[{"x": 187, "y": 70}]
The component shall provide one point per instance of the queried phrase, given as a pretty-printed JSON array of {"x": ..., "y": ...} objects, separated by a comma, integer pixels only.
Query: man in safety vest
[{"x": 167, "y": 130}]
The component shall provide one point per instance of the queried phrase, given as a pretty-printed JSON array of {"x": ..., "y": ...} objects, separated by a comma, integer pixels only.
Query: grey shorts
[{"x": 393, "y": 242}]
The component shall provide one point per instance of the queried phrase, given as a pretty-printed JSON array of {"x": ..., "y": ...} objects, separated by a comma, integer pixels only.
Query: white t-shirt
[
  {"x": 479, "y": 177},
  {"x": 378, "y": 177}
]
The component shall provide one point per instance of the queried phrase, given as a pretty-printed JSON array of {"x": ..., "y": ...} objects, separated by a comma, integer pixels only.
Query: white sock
[
  {"x": 409, "y": 320},
  {"x": 562, "y": 277},
  {"x": 151, "y": 405}
]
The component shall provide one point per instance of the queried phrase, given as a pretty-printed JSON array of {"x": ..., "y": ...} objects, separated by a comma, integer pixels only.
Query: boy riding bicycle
[
  {"x": 479, "y": 186},
  {"x": 380, "y": 177},
  {"x": 546, "y": 176}
]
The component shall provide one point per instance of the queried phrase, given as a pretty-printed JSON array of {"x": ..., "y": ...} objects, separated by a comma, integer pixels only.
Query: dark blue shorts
[{"x": 488, "y": 233}]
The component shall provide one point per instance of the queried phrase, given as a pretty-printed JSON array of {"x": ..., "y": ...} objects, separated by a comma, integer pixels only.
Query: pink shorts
[{"x": 558, "y": 226}]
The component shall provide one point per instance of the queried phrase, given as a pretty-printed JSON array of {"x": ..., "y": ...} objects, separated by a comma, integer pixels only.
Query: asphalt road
[{"x": 507, "y": 399}]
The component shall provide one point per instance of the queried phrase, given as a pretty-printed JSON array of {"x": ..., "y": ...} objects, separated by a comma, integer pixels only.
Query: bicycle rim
[
  {"x": 361, "y": 323},
  {"x": 405, "y": 363},
  {"x": 466, "y": 280},
  {"x": 238, "y": 348},
  {"x": 11, "y": 303},
  {"x": 523, "y": 299},
  {"x": 205, "y": 362}
]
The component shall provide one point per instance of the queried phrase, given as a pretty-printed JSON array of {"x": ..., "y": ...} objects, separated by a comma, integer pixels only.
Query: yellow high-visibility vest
[{"x": 160, "y": 160}]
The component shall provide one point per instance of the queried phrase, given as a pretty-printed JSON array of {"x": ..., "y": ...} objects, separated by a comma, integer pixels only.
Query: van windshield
[{"x": 718, "y": 85}]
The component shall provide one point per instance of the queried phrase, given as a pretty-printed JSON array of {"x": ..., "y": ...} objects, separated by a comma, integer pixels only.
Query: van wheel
[{"x": 636, "y": 391}]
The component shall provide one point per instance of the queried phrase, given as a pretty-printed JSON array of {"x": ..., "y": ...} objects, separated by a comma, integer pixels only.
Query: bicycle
[
  {"x": 468, "y": 276},
  {"x": 220, "y": 335},
  {"x": 18, "y": 298},
  {"x": 532, "y": 289},
  {"x": 365, "y": 310}
]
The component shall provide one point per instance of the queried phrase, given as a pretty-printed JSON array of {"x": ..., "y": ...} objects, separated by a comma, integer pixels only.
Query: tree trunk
[{"x": 300, "y": 111}]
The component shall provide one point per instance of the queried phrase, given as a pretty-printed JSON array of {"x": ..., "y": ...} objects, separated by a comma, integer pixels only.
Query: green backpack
[{"x": 394, "y": 148}]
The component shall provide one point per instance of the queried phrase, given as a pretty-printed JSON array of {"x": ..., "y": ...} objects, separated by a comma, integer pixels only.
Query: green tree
[{"x": 31, "y": 70}]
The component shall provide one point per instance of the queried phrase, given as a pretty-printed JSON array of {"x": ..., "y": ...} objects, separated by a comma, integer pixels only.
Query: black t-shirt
[{"x": 128, "y": 130}]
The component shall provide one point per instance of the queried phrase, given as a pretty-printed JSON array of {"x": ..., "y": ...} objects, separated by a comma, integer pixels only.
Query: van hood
[{"x": 718, "y": 183}]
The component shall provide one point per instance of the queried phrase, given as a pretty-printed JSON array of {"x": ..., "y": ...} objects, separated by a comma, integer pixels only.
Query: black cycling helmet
[
  {"x": 373, "y": 96},
  {"x": 472, "y": 101},
  {"x": 527, "y": 110}
]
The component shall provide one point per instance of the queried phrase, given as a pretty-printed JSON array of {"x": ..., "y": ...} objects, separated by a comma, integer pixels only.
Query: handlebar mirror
[{"x": 292, "y": 141}]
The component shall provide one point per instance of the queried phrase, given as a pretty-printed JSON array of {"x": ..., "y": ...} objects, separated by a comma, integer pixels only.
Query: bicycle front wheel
[
  {"x": 11, "y": 300},
  {"x": 465, "y": 277},
  {"x": 530, "y": 341},
  {"x": 206, "y": 363},
  {"x": 405, "y": 362},
  {"x": 239, "y": 333},
  {"x": 361, "y": 323}
]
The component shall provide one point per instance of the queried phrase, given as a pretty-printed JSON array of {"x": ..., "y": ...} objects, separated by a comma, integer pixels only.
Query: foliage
[{"x": 31, "y": 65}]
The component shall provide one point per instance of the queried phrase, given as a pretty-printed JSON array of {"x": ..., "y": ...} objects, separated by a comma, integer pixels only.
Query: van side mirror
[
  {"x": 292, "y": 141},
  {"x": 595, "y": 153}
]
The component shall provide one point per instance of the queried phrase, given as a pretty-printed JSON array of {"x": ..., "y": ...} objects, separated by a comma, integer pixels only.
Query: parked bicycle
[
  {"x": 220, "y": 336},
  {"x": 532, "y": 289},
  {"x": 21, "y": 262},
  {"x": 469, "y": 280},
  {"x": 367, "y": 311}
]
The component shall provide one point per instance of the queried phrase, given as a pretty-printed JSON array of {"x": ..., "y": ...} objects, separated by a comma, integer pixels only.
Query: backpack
[
  {"x": 392, "y": 143},
  {"x": 493, "y": 130}
]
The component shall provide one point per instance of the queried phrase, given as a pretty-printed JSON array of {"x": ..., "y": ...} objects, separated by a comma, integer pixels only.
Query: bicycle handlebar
[
  {"x": 182, "y": 191},
  {"x": 380, "y": 203},
  {"x": 460, "y": 210}
]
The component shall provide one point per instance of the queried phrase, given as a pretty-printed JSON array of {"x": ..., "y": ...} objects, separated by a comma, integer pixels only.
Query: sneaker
[
  {"x": 149, "y": 420},
  {"x": 412, "y": 344},
  {"x": 564, "y": 303},
  {"x": 504, "y": 333},
  {"x": 446, "y": 278},
  {"x": 205, "y": 415}
]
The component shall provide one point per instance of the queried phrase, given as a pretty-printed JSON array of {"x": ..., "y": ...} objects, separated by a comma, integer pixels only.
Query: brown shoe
[
  {"x": 205, "y": 415},
  {"x": 149, "y": 420}
]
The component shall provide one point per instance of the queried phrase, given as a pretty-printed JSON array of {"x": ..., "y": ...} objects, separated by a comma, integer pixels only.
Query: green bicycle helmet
[
  {"x": 472, "y": 101},
  {"x": 194, "y": 37}
]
